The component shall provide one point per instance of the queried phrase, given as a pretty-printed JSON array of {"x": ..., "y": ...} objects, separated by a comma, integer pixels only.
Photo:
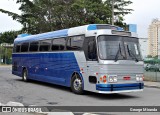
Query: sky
[
  {"x": 144, "y": 12},
  {"x": 6, "y": 22}
]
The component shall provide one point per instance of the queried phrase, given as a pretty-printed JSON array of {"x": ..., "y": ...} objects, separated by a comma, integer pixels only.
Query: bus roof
[
  {"x": 54, "y": 34},
  {"x": 63, "y": 33}
]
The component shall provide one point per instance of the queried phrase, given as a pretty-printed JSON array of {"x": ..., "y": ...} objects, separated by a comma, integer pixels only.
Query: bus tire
[
  {"x": 76, "y": 84},
  {"x": 25, "y": 75}
]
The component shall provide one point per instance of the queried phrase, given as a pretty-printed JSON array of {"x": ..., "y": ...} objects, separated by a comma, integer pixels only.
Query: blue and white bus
[{"x": 96, "y": 57}]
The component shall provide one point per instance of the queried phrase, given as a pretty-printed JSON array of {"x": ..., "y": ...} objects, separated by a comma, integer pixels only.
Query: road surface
[{"x": 12, "y": 88}]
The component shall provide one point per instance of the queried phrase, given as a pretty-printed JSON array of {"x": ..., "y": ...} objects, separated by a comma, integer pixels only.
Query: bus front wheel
[
  {"x": 76, "y": 84},
  {"x": 25, "y": 75}
]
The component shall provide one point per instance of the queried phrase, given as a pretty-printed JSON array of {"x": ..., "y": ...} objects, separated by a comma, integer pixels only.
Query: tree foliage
[
  {"x": 6, "y": 53},
  {"x": 120, "y": 10},
  {"x": 47, "y": 15},
  {"x": 8, "y": 36}
]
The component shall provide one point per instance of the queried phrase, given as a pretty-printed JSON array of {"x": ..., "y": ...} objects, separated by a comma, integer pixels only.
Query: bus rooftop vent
[{"x": 23, "y": 35}]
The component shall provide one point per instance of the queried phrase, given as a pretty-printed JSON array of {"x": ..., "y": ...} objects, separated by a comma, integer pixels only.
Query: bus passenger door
[{"x": 92, "y": 65}]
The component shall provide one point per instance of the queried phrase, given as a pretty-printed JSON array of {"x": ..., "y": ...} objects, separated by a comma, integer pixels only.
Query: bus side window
[
  {"x": 14, "y": 49},
  {"x": 75, "y": 42},
  {"x": 58, "y": 44},
  {"x": 18, "y": 48},
  {"x": 24, "y": 47},
  {"x": 92, "y": 54},
  {"x": 45, "y": 45},
  {"x": 34, "y": 46}
]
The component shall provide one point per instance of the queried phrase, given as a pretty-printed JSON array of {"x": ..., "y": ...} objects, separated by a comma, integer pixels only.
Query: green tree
[
  {"x": 91, "y": 11},
  {"x": 8, "y": 36},
  {"x": 149, "y": 56},
  {"x": 120, "y": 10},
  {"x": 47, "y": 15},
  {"x": 155, "y": 57},
  {"x": 6, "y": 52}
]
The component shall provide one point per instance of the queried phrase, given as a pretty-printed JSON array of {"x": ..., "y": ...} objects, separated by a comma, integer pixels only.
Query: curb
[
  {"x": 152, "y": 86},
  {"x": 5, "y": 65}
]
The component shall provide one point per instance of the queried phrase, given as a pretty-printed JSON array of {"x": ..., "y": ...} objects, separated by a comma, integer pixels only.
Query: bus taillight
[
  {"x": 143, "y": 77},
  {"x": 103, "y": 79}
]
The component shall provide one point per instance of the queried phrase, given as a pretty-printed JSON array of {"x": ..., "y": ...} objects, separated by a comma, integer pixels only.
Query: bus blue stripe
[
  {"x": 118, "y": 87},
  {"x": 92, "y": 27},
  {"x": 55, "y": 68}
]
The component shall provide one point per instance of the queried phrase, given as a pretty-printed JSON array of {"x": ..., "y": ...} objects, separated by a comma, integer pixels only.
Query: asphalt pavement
[
  {"x": 146, "y": 83},
  {"x": 13, "y": 90}
]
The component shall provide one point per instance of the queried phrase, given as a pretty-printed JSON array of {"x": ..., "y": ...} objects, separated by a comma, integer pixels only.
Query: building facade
[
  {"x": 143, "y": 46},
  {"x": 154, "y": 38}
]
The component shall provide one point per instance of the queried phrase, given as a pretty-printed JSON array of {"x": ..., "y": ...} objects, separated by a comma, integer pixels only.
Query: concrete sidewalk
[{"x": 152, "y": 84}]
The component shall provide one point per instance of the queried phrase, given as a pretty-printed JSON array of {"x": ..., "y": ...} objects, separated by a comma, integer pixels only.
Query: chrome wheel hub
[
  {"x": 77, "y": 84},
  {"x": 25, "y": 76}
]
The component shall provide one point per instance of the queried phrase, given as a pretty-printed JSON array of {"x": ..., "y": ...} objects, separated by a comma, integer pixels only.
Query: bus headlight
[
  {"x": 112, "y": 78},
  {"x": 139, "y": 77}
]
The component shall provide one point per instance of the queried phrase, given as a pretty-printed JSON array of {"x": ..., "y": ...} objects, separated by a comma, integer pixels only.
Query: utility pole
[{"x": 112, "y": 12}]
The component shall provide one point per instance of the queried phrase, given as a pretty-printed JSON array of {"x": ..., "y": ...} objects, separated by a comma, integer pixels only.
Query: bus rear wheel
[
  {"x": 76, "y": 84},
  {"x": 25, "y": 75}
]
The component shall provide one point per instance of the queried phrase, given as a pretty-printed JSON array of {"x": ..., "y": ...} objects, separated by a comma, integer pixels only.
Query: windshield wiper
[
  {"x": 131, "y": 53},
  {"x": 119, "y": 50}
]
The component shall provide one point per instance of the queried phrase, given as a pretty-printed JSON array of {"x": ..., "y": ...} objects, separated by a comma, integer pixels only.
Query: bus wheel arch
[
  {"x": 25, "y": 74},
  {"x": 77, "y": 83}
]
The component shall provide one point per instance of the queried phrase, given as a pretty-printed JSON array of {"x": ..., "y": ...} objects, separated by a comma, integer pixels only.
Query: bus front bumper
[{"x": 118, "y": 88}]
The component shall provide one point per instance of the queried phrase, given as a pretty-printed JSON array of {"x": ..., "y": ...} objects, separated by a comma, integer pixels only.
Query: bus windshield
[{"x": 119, "y": 48}]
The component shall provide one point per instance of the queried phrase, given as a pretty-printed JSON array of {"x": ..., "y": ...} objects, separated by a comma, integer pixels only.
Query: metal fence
[
  {"x": 152, "y": 71},
  {"x": 152, "y": 76}
]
